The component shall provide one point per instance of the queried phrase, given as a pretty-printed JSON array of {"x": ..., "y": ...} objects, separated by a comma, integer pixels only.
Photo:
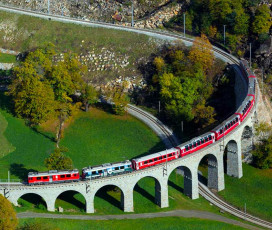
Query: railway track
[{"x": 203, "y": 190}]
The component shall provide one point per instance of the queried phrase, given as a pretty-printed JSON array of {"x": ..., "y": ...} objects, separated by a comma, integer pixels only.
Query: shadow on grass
[
  {"x": 20, "y": 171},
  {"x": 144, "y": 193},
  {"x": 6, "y": 103},
  {"x": 202, "y": 179},
  {"x": 69, "y": 197},
  {"x": 175, "y": 186},
  {"x": 35, "y": 129},
  {"x": 32, "y": 199},
  {"x": 103, "y": 194}
]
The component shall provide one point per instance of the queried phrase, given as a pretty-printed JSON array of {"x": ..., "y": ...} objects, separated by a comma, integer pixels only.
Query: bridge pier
[
  {"x": 127, "y": 200},
  {"x": 234, "y": 159},
  {"x": 194, "y": 194},
  {"x": 161, "y": 193},
  {"x": 216, "y": 172},
  {"x": 89, "y": 204}
]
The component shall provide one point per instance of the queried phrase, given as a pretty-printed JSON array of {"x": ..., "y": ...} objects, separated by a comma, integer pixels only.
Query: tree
[
  {"x": 8, "y": 219},
  {"x": 263, "y": 153},
  {"x": 88, "y": 95},
  {"x": 58, "y": 161},
  {"x": 33, "y": 99},
  {"x": 201, "y": 52},
  {"x": 204, "y": 115},
  {"x": 262, "y": 20}
]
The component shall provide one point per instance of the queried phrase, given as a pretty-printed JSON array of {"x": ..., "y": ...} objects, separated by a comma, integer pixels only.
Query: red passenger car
[
  {"x": 224, "y": 128},
  {"x": 53, "y": 176},
  {"x": 156, "y": 158},
  {"x": 196, "y": 144}
]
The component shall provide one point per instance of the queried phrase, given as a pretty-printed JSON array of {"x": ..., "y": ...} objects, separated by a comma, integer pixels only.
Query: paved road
[{"x": 181, "y": 213}]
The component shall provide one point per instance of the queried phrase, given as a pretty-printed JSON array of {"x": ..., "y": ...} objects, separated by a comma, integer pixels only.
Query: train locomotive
[{"x": 110, "y": 169}]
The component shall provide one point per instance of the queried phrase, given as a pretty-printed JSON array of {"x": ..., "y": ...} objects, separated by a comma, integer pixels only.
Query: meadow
[{"x": 165, "y": 223}]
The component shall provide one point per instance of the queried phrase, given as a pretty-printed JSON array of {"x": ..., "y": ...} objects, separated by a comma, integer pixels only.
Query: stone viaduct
[{"x": 230, "y": 146}]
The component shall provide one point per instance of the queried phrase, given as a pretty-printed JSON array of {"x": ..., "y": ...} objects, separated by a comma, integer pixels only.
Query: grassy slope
[
  {"x": 6, "y": 146},
  {"x": 153, "y": 223},
  {"x": 25, "y": 33},
  {"x": 254, "y": 189},
  {"x": 7, "y": 58}
]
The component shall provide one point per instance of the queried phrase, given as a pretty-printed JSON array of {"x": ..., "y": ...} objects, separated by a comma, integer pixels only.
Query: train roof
[
  {"x": 150, "y": 156},
  {"x": 107, "y": 165},
  {"x": 195, "y": 139},
  {"x": 52, "y": 172},
  {"x": 241, "y": 108},
  {"x": 218, "y": 127}
]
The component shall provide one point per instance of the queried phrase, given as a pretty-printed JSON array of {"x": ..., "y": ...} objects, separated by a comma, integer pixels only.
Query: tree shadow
[
  {"x": 69, "y": 197},
  {"x": 144, "y": 193},
  {"x": 6, "y": 103},
  {"x": 20, "y": 171},
  {"x": 103, "y": 194},
  {"x": 35, "y": 129}
]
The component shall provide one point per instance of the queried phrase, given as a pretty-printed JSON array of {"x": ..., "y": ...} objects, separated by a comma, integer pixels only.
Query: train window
[
  {"x": 210, "y": 137},
  {"x": 228, "y": 125},
  {"x": 122, "y": 167},
  {"x": 164, "y": 156},
  {"x": 160, "y": 158},
  {"x": 116, "y": 168},
  {"x": 30, "y": 178},
  {"x": 68, "y": 175},
  {"x": 62, "y": 176},
  {"x": 198, "y": 142},
  {"x": 75, "y": 175},
  {"x": 221, "y": 131},
  {"x": 145, "y": 162},
  {"x": 202, "y": 141},
  {"x": 186, "y": 147},
  {"x": 100, "y": 171},
  {"x": 194, "y": 144},
  {"x": 155, "y": 159},
  {"x": 39, "y": 178},
  {"x": 236, "y": 119},
  {"x": 150, "y": 161},
  {"x": 45, "y": 177}
]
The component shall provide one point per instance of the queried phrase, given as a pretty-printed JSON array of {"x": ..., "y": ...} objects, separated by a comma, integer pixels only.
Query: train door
[{"x": 50, "y": 178}]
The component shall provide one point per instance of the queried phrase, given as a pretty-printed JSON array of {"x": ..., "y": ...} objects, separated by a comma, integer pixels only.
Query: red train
[
  {"x": 53, "y": 176},
  {"x": 161, "y": 157}
]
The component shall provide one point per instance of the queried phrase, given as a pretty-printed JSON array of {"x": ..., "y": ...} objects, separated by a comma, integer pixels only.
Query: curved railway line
[{"x": 203, "y": 190}]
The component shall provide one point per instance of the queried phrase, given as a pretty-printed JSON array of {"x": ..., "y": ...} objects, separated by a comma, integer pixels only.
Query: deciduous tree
[
  {"x": 8, "y": 219},
  {"x": 201, "y": 52},
  {"x": 58, "y": 161},
  {"x": 262, "y": 20}
]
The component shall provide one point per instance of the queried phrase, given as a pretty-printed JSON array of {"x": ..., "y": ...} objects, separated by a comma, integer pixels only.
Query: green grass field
[
  {"x": 139, "y": 224},
  {"x": 7, "y": 58},
  {"x": 254, "y": 189}
]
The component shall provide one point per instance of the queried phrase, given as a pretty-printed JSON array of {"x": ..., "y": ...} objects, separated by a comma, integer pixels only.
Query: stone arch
[
  {"x": 159, "y": 190},
  {"x": 212, "y": 181},
  {"x": 187, "y": 181},
  {"x": 70, "y": 196},
  {"x": 104, "y": 193},
  {"x": 31, "y": 197},
  {"x": 233, "y": 159}
]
